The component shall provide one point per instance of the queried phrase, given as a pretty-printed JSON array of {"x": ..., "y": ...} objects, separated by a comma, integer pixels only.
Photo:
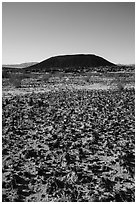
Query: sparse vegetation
[{"x": 15, "y": 79}]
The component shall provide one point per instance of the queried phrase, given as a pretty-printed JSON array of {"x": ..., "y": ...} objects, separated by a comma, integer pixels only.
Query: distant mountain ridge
[
  {"x": 70, "y": 63},
  {"x": 22, "y": 65}
]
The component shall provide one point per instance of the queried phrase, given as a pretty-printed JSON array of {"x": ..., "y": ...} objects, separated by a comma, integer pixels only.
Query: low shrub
[
  {"x": 5, "y": 74},
  {"x": 120, "y": 86},
  {"x": 46, "y": 77}
]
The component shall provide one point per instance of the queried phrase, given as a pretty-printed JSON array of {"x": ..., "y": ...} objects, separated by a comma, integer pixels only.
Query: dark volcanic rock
[{"x": 70, "y": 62}]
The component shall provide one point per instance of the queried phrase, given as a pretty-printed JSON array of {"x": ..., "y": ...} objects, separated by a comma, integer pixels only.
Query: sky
[{"x": 35, "y": 31}]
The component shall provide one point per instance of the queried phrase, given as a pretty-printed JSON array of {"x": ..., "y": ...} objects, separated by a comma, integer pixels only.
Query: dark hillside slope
[{"x": 69, "y": 63}]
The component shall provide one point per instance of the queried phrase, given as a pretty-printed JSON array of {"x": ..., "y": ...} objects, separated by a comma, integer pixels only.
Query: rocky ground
[{"x": 69, "y": 145}]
